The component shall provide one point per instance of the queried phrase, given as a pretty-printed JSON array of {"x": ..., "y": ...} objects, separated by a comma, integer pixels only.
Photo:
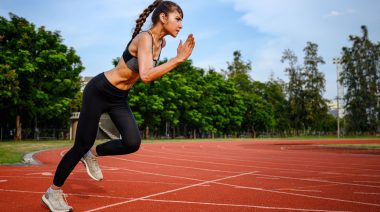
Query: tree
[
  {"x": 238, "y": 71},
  {"x": 39, "y": 74},
  {"x": 222, "y": 104},
  {"x": 361, "y": 78},
  {"x": 314, "y": 87},
  {"x": 294, "y": 91},
  {"x": 257, "y": 112},
  {"x": 274, "y": 94}
]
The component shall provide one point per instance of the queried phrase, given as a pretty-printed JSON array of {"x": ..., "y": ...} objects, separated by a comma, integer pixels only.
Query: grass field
[
  {"x": 354, "y": 146},
  {"x": 12, "y": 152}
]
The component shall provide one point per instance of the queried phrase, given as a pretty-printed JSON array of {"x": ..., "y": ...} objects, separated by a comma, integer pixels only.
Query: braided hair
[{"x": 159, "y": 6}]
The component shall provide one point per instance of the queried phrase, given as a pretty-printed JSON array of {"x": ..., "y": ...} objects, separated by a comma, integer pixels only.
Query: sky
[{"x": 260, "y": 29}]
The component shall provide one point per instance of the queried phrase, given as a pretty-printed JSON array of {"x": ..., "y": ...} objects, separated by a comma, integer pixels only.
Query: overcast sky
[{"x": 260, "y": 29}]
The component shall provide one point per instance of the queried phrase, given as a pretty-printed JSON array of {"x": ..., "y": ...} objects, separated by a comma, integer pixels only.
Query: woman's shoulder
[
  {"x": 143, "y": 36},
  {"x": 163, "y": 43}
]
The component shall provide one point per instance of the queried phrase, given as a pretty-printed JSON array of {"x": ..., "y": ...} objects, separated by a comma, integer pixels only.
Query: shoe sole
[
  {"x": 88, "y": 170},
  {"x": 46, "y": 202}
]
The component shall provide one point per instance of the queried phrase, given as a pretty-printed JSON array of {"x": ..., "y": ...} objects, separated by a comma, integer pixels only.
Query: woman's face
[{"x": 173, "y": 23}]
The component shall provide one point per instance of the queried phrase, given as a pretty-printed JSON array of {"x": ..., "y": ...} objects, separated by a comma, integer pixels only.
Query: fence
[{"x": 35, "y": 134}]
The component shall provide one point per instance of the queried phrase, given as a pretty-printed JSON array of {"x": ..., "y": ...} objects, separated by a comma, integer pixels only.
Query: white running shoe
[
  {"x": 92, "y": 166},
  {"x": 56, "y": 201}
]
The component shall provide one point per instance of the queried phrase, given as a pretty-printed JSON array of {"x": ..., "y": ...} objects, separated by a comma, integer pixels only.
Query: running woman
[{"x": 108, "y": 93}]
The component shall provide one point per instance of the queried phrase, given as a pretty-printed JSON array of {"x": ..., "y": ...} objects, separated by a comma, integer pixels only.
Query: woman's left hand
[{"x": 184, "y": 50}]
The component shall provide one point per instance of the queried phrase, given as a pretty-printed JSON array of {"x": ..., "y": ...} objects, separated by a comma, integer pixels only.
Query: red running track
[{"x": 209, "y": 176}]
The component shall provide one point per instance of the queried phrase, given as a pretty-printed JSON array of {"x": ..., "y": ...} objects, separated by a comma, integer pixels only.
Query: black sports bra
[{"x": 131, "y": 61}]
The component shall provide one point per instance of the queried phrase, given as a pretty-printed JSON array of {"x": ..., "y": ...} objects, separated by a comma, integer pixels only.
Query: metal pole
[{"x": 336, "y": 61}]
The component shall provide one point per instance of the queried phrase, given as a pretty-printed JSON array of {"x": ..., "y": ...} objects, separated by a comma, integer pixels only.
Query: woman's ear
[{"x": 163, "y": 18}]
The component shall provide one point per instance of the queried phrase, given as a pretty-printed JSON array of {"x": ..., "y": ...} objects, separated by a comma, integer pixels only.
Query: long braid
[{"x": 143, "y": 16}]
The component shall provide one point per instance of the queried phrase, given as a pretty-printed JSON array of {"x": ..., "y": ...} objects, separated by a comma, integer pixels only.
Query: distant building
[
  {"x": 333, "y": 108},
  {"x": 84, "y": 81}
]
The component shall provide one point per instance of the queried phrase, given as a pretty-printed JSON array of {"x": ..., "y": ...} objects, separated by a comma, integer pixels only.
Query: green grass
[
  {"x": 12, "y": 152},
  {"x": 355, "y": 146},
  {"x": 334, "y": 137}
]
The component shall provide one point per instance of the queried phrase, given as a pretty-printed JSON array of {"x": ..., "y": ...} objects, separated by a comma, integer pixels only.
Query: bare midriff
[{"x": 121, "y": 76}]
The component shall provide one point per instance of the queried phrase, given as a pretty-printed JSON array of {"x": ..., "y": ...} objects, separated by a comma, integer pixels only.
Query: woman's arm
[{"x": 148, "y": 72}]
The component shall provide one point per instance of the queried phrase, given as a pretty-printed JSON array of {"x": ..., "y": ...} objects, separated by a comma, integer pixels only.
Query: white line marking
[
  {"x": 316, "y": 180},
  {"x": 185, "y": 167},
  {"x": 301, "y": 195},
  {"x": 198, "y": 161},
  {"x": 63, "y": 152},
  {"x": 175, "y": 201},
  {"x": 41, "y": 173},
  {"x": 302, "y": 190},
  {"x": 3, "y": 181},
  {"x": 366, "y": 193},
  {"x": 73, "y": 194},
  {"x": 367, "y": 182},
  {"x": 268, "y": 178},
  {"x": 259, "y": 189},
  {"x": 261, "y": 175},
  {"x": 170, "y": 191},
  {"x": 292, "y": 158},
  {"x": 31, "y": 192},
  {"x": 237, "y": 205},
  {"x": 215, "y": 156}
]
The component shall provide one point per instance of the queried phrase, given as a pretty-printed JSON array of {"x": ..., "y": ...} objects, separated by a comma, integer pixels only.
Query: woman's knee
[
  {"x": 81, "y": 149},
  {"x": 131, "y": 145}
]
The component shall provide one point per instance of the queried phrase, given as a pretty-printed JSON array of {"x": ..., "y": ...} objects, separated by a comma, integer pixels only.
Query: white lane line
[
  {"x": 367, "y": 193},
  {"x": 163, "y": 175},
  {"x": 376, "y": 182},
  {"x": 108, "y": 180},
  {"x": 185, "y": 167},
  {"x": 41, "y": 173},
  {"x": 3, "y": 181},
  {"x": 301, "y": 195},
  {"x": 290, "y": 158},
  {"x": 315, "y": 163},
  {"x": 71, "y": 194},
  {"x": 175, "y": 201},
  {"x": 316, "y": 180},
  {"x": 258, "y": 175},
  {"x": 63, "y": 152},
  {"x": 238, "y": 205},
  {"x": 302, "y": 190},
  {"x": 268, "y": 178},
  {"x": 217, "y": 157},
  {"x": 258, "y": 189},
  {"x": 169, "y": 191},
  {"x": 197, "y": 161},
  {"x": 20, "y": 191}
]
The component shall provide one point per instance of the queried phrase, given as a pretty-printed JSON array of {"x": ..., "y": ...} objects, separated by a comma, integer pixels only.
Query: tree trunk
[
  {"x": 173, "y": 135},
  {"x": 253, "y": 132},
  {"x": 18, "y": 127},
  {"x": 147, "y": 132},
  {"x": 195, "y": 134}
]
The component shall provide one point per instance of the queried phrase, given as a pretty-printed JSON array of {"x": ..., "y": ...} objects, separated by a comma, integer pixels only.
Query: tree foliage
[
  {"x": 307, "y": 109},
  {"x": 39, "y": 76},
  {"x": 39, "y": 79},
  {"x": 361, "y": 78}
]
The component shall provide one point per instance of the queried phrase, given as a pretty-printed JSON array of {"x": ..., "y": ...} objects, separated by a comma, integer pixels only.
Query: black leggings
[{"x": 100, "y": 96}]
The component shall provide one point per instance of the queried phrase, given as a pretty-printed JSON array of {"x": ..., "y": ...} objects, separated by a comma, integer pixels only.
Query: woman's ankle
[{"x": 53, "y": 187}]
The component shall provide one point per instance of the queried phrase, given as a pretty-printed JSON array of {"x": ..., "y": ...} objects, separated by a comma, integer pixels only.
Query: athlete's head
[{"x": 167, "y": 13}]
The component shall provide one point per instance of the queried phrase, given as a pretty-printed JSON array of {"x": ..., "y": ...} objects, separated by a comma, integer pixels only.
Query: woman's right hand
[{"x": 184, "y": 50}]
